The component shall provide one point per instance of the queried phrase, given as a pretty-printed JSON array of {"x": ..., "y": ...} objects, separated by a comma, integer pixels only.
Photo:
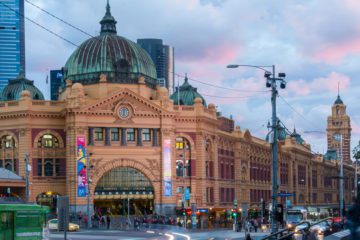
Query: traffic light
[
  {"x": 183, "y": 211},
  {"x": 234, "y": 213}
]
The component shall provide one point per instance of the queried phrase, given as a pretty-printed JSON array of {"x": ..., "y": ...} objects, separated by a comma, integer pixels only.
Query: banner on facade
[
  {"x": 167, "y": 168},
  {"x": 81, "y": 166}
]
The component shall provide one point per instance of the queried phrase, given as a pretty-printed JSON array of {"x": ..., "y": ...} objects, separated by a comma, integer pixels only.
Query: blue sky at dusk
[{"x": 316, "y": 43}]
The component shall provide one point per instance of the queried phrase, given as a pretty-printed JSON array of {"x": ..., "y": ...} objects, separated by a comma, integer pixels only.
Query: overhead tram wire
[
  {"x": 39, "y": 25},
  {"x": 84, "y": 32},
  {"x": 294, "y": 110},
  {"x": 61, "y": 20},
  {"x": 218, "y": 86}
]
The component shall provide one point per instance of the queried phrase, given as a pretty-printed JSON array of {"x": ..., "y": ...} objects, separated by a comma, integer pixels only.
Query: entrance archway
[{"x": 123, "y": 191}]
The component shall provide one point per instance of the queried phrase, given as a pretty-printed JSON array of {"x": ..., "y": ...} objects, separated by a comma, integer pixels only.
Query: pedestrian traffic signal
[{"x": 183, "y": 211}]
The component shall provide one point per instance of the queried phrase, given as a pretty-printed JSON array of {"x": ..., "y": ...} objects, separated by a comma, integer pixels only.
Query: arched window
[
  {"x": 8, "y": 142},
  {"x": 48, "y": 141},
  {"x": 243, "y": 173},
  {"x": 8, "y": 166},
  {"x": 48, "y": 168}
]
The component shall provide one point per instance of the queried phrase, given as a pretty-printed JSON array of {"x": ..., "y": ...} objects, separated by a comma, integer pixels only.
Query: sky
[{"x": 315, "y": 42}]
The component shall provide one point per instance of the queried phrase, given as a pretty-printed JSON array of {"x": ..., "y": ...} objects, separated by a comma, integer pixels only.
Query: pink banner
[{"x": 81, "y": 166}]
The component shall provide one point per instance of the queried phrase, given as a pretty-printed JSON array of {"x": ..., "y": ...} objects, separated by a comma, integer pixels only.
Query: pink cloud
[
  {"x": 221, "y": 54},
  {"x": 328, "y": 83},
  {"x": 333, "y": 54}
]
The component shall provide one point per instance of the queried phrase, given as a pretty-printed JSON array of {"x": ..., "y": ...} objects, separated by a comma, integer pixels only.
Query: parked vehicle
[{"x": 53, "y": 225}]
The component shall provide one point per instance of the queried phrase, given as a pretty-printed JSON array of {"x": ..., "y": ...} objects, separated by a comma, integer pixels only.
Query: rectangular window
[
  {"x": 39, "y": 166},
  {"x": 114, "y": 134},
  {"x": 146, "y": 136},
  {"x": 98, "y": 134},
  {"x": 130, "y": 133},
  {"x": 179, "y": 143},
  {"x": 57, "y": 167},
  {"x": 48, "y": 167},
  {"x": 1, "y": 163}
]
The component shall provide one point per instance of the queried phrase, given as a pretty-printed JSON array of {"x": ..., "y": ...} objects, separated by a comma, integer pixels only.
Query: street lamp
[
  {"x": 338, "y": 137},
  {"x": 271, "y": 82},
  {"x": 88, "y": 165}
]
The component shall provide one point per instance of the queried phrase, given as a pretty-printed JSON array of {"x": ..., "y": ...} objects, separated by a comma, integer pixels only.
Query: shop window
[
  {"x": 48, "y": 168},
  {"x": 130, "y": 134},
  {"x": 114, "y": 134},
  {"x": 98, "y": 134},
  {"x": 146, "y": 136}
]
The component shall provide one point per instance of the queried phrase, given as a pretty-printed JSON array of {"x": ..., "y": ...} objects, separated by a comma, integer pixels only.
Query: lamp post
[
  {"x": 271, "y": 82},
  {"x": 338, "y": 137},
  {"x": 88, "y": 188}
]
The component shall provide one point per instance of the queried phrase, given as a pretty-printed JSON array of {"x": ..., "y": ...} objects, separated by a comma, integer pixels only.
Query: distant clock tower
[{"x": 338, "y": 124}]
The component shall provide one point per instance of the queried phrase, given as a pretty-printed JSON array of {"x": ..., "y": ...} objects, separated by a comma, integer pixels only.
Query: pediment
[{"x": 125, "y": 97}]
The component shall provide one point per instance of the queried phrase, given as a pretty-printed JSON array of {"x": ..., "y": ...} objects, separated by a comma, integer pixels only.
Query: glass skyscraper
[
  {"x": 163, "y": 58},
  {"x": 12, "y": 40}
]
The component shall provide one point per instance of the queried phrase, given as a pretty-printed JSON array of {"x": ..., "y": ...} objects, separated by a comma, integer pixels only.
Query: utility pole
[
  {"x": 88, "y": 188},
  {"x": 27, "y": 177},
  {"x": 274, "y": 151},
  {"x": 271, "y": 83},
  {"x": 341, "y": 180}
]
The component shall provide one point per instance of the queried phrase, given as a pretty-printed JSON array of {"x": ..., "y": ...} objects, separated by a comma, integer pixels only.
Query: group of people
[{"x": 97, "y": 220}]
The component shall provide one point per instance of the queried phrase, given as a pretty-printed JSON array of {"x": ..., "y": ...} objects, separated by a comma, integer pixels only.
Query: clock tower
[{"x": 339, "y": 131}]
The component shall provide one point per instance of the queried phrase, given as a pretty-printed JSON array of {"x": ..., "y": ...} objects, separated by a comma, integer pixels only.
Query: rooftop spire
[{"x": 108, "y": 23}]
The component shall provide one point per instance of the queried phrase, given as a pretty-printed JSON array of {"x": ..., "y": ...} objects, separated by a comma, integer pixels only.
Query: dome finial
[{"x": 108, "y": 23}]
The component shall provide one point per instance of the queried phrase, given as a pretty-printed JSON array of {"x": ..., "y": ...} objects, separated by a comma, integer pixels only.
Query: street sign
[
  {"x": 286, "y": 194},
  {"x": 187, "y": 193},
  {"x": 203, "y": 210}
]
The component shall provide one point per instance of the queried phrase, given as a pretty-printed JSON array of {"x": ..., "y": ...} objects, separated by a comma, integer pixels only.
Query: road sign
[
  {"x": 286, "y": 194},
  {"x": 187, "y": 193}
]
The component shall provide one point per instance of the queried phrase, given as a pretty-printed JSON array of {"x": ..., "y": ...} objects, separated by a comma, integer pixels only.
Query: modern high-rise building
[
  {"x": 163, "y": 57},
  {"x": 55, "y": 83},
  {"x": 12, "y": 40}
]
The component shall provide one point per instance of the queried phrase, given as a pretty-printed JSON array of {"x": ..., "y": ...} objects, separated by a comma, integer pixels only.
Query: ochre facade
[{"x": 225, "y": 163}]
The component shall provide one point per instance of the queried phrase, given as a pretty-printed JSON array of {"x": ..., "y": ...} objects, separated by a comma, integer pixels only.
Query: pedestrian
[
  {"x": 248, "y": 237},
  {"x": 80, "y": 216},
  {"x": 108, "y": 221},
  {"x": 256, "y": 225},
  {"x": 239, "y": 225},
  {"x": 353, "y": 220}
]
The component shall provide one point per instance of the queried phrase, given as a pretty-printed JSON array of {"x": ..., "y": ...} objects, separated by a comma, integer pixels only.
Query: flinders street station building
[{"x": 142, "y": 146}]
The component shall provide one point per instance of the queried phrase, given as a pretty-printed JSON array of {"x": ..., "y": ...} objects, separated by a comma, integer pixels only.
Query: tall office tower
[
  {"x": 12, "y": 40},
  {"x": 55, "y": 83},
  {"x": 163, "y": 58}
]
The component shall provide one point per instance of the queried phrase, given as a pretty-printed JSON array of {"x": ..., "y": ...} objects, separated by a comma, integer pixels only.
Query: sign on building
[
  {"x": 167, "y": 168},
  {"x": 81, "y": 166}
]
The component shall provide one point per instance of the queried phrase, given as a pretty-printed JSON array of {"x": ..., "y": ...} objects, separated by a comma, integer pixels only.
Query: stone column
[
  {"x": 155, "y": 137},
  {"x": 123, "y": 136},
  {"x": 138, "y": 139},
  {"x": 107, "y": 136}
]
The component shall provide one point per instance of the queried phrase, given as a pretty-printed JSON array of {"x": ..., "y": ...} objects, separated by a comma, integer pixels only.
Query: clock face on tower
[{"x": 123, "y": 112}]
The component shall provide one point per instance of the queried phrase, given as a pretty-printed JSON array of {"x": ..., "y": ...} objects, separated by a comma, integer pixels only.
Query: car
[
  {"x": 299, "y": 228},
  {"x": 53, "y": 225},
  {"x": 322, "y": 228}
]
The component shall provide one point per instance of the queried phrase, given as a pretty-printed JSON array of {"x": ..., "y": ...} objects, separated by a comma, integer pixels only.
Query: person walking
[
  {"x": 353, "y": 220},
  {"x": 108, "y": 221},
  {"x": 256, "y": 225},
  {"x": 248, "y": 237},
  {"x": 80, "y": 216}
]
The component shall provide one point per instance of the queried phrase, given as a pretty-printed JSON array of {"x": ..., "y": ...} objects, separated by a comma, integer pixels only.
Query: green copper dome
[
  {"x": 122, "y": 60},
  {"x": 338, "y": 100},
  {"x": 297, "y": 136},
  {"x": 13, "y": 90},
  {"x": 186, "y": 94}
]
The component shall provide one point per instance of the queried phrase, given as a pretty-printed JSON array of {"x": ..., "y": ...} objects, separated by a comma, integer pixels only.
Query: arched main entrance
[{"x": 124, "y": 190}]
